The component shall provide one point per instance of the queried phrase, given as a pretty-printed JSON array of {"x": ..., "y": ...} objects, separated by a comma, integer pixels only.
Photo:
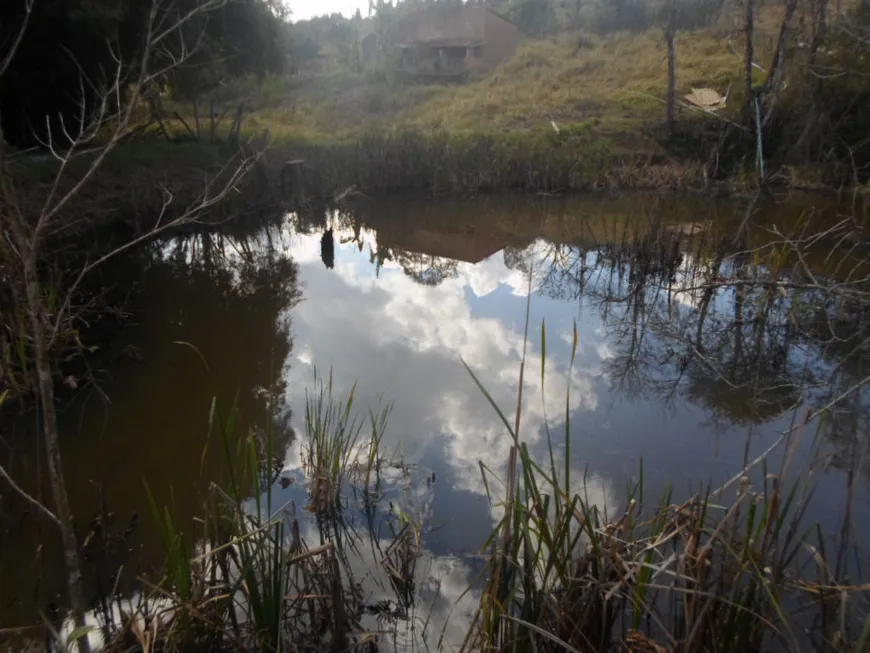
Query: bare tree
[
  {"x": 762, "y": 100},
  {"x": 776, "y": 74},
  {"x": 101, "y": 126}
]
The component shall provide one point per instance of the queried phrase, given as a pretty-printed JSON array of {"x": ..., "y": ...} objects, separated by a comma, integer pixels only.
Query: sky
[{"x": 304, "y": 9}]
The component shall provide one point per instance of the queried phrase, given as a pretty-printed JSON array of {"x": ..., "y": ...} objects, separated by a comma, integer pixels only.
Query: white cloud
[{"x": 408, "y": 341}]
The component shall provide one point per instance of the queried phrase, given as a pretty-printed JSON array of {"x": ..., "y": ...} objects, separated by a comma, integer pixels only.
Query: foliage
[
  {"x": 47, "y": 84},
  {"x": 533, "y": 16},
  {"x": 243, "y": 37}
]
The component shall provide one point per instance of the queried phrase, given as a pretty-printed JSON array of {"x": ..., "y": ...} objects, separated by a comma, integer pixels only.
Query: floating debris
[{"x": 706, "y": 98}]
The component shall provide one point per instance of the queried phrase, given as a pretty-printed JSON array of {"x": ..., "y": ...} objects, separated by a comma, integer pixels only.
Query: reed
[
  {"x": 335, "y": 455},
  {"x": 541, "y": 160},
  {"x": 733, "y": 568},
  {"x": 729, "y": 569},
  {"x": 253, "y": 582}
]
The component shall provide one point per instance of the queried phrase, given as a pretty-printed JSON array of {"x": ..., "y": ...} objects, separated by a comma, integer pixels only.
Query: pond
[{"x": 677, "y": 373}]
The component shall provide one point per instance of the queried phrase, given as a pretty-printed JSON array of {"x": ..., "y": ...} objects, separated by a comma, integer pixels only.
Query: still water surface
[{"x": 690, "y": 383}]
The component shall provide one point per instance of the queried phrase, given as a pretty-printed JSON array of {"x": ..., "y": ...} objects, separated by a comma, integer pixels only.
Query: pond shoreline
[
  {"x": 127, "y": 193},
  {"x": 378, "y": 162}
]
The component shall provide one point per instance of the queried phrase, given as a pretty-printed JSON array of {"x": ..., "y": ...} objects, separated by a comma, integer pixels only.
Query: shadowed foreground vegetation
[{"x": 734, "y": 568}]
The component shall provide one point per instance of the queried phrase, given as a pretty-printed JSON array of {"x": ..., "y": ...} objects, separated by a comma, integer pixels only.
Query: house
[
  {"x": 437, "y": 42},
  {"x": 446, "y": 230}
]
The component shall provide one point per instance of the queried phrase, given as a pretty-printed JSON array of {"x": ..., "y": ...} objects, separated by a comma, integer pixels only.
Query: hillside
[
  {"x": 577, "y": 110},
  {"x": 610, "y": 86}
]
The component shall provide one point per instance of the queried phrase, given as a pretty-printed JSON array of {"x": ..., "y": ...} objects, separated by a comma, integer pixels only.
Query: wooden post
[
  {"x": 196, "y": 119},
  {"x": 749, "y": 30},
  {"x": 670, "y": 35},
  {"x": 211, "y": 118},
  {"x": 236, "y": 129}
]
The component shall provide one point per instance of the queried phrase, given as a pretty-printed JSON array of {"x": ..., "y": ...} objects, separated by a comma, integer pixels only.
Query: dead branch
[
  {"x": 40, "y": 507},
  {"x": 19, "y": 36}
]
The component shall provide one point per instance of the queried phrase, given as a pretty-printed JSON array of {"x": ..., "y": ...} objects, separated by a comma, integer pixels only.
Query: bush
[{"x": 620, "y": 15}]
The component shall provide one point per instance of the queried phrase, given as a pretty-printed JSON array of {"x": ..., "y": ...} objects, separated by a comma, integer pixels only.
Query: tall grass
[
  {"x": 715, "y": 572},
  {"x": 254, "y": 584},
  {"x": 729, "y": 569},
  {"x": 537, "y": 161},
  {"x": 242, "y": 577},
  {"x": 334, "y": 454}
]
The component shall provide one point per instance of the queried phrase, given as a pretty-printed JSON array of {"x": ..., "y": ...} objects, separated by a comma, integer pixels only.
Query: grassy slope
[
  {"x": 605, "y": 95},
  {"x": 612, "y": 87}
]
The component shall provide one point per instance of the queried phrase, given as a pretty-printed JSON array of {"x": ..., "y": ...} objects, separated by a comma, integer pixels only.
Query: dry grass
[
  {"x": 614, "y": 85},
  {"x": 560, "y": 103}
]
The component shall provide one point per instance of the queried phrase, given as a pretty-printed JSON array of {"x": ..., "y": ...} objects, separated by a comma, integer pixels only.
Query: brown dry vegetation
[
  {"x": 569, "y": 112},
  {"x": 614, "y": 85}
]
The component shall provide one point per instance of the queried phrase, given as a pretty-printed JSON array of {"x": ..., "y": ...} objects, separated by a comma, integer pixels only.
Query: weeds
[
  {"x": 706, "y": 574},
  {"x": 334, "y": 454},
  {"x": 538, "y": 161},
  {"x": 253, "y": 583}
]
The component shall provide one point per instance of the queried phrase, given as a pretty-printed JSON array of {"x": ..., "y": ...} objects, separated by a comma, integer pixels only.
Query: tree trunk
[
  {"x": 773, "y": 84},
  {"x": 672, "y": 76},
  {"x": 211, "y": 119},
  {"x": 820, "y": 24},
  {"x": 196, "y": 119},
  {"x": 750, "y": 53},
  {"x": 75, "y": 585}
]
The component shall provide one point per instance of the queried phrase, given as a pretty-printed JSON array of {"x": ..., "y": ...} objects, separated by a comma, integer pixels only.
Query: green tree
[
  {"x": 535, "y": 17},
  {"x": 47, "y": 87}
]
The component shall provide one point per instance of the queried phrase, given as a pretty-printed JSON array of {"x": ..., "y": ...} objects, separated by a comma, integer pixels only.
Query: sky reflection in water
[
  {"x": 403, "y": 340},
  {"x": 396, "y": 338},
  {"x": 399, "y": 327}
]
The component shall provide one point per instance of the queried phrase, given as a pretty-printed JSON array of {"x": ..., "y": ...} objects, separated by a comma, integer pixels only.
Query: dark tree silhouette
[{"x": 327, "y": 249}]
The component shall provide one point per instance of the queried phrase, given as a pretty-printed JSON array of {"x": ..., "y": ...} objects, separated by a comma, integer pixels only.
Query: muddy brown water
[{"x": 690, "y": 384}]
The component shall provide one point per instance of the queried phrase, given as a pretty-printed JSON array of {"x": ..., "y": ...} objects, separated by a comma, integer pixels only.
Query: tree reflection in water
[
  {"x": 218, "y": 306},
  {"x": 741, "y": 327}
]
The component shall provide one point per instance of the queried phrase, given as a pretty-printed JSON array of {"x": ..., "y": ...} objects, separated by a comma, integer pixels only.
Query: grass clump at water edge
[
  {"x": 334, "y": 453},
  {"x": 253, "y": 583},
  {"x": 706, "y": 574}
]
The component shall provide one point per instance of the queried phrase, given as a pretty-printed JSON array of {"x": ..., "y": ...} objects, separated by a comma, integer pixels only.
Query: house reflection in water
[{"x": 470, "y": 247}]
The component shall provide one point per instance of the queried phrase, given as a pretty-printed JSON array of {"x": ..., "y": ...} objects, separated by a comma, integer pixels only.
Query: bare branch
[
  {"x": 16, "y": 43},
  {"x": 40, "y": 508},
  {"x": 55, "y": 203},
  {"x": 211, "y": 196}
]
